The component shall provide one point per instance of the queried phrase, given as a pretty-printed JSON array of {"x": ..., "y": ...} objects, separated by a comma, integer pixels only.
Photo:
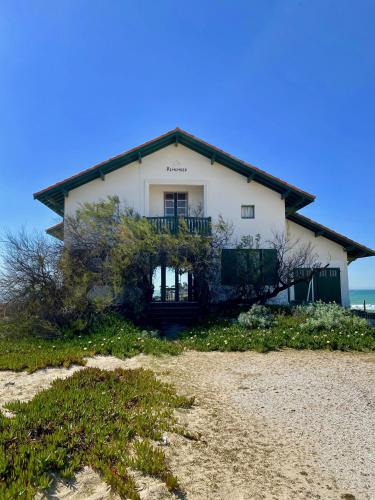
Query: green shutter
[
  {"x": 228, "y": 267},
  {"x": 269, "y": 266},
  {"x": 248, "y": 266},
  {"x": 327, "y": 285}
]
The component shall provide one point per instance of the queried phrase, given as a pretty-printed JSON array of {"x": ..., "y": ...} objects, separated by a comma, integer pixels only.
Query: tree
[
  {"x": 30, "y": 277},
  {"x": 121, "y": 250}
]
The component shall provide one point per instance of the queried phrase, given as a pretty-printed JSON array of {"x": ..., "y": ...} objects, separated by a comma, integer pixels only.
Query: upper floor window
[
  {"x": 175, "y": 204},
  {"x": 247, "y": 211}
]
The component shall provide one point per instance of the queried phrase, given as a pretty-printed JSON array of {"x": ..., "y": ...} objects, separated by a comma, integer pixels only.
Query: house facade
[{"x": 178, "y": 175}]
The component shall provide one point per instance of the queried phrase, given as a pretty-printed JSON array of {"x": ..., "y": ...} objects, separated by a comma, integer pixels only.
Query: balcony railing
[{"x": 194, "y": 225}]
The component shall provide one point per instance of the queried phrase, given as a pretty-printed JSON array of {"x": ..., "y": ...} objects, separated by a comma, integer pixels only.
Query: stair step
[{"x": 184, "y": 312}]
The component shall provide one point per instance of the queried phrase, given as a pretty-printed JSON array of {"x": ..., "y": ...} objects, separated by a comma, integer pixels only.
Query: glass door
[
  {"x": 171, "y": 285},
  {"x": 175, "y": 204},
  {"x": 157, "y": 293},
  {"x": 183, "y": 286}
]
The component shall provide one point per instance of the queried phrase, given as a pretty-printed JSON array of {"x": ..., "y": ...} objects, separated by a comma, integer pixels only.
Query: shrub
[
  {"x": 322, "y": 316},
  {"x": 43, "y": 287},
  {"x": 257, "y": 317}
]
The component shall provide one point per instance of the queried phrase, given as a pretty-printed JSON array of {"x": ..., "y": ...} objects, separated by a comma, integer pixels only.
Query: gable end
[{"x": 53, "y": 196}]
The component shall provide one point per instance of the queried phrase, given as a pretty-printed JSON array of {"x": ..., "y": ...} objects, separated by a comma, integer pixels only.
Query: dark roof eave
[
  {"x": 57, "y": 231},
  {"x": 354, "y": 250},
  {"x": 53, "y": 196}
]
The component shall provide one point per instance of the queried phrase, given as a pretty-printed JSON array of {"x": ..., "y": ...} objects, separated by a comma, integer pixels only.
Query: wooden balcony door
[{"x": 176, "y": 204}]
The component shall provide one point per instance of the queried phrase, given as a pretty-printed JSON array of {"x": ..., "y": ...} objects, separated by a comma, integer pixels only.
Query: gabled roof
[
  {"x": 353, "y": 249},
  {"x": 53, "y": 196}
]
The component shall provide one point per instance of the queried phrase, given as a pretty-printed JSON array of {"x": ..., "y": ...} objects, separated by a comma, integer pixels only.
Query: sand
[{"x": 291, "y": 424}]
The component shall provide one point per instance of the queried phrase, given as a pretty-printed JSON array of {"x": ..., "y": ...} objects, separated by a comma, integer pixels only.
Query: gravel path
[
  {"x": 291, "y": 424},
  {"x": 306, "y": 418}
]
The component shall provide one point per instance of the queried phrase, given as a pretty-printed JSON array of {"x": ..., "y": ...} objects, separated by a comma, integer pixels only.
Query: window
[
  {"x": 175, "y": 204},
  {"x": 247, "y": 211}
]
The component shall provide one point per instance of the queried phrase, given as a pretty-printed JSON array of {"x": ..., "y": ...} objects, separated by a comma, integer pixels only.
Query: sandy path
[{"x": 281, "y": 425}]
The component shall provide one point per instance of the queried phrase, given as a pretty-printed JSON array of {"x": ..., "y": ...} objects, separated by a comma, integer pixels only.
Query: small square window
[{"x": 247, "y": 211}]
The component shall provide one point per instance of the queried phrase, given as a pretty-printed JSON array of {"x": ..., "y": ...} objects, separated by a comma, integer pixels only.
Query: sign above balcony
[{"x": 175, "y": 167}]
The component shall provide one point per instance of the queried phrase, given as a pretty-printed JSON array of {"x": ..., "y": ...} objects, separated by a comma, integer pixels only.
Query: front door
[{"x": 172, "y": 285}]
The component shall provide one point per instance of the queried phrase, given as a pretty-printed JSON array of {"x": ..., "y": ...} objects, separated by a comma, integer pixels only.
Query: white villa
[{"x": 178, "y": 175}]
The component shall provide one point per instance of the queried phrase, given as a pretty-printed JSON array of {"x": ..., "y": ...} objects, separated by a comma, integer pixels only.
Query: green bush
[
  {"x": 256, "y": 317},
  {"x": 321, "y": 316}
]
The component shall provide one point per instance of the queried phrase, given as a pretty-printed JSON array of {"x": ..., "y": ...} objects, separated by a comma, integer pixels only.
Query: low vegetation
[
  {"x": 109, "y": 336},
  {"x": 316, "y": 326},
  {"x": 319, "y": 326},
  {"x": 256, "y": 317},
  {"x": 285, "y": 332},
  {"x": 320, "y": 316},
  {"x": 108, "y": 420}
]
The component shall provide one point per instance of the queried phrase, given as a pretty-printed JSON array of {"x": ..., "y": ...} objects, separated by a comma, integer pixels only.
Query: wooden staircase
[{"x": 162, "y": 313}]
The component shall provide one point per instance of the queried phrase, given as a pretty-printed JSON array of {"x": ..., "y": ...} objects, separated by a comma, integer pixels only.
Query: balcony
[{"x": 194, "y": 225}]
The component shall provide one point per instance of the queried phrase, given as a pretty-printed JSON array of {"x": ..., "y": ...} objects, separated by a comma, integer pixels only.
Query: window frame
[{"x": 245, "y": 207}]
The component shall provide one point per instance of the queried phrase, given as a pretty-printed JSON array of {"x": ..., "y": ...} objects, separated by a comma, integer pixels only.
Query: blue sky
[{"x": 286, "y": 85}]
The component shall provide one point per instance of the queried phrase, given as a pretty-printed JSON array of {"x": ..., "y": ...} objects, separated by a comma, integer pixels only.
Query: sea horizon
[
  {"x": 362, "y": 289},
  {"x": 359, "y": 296}
]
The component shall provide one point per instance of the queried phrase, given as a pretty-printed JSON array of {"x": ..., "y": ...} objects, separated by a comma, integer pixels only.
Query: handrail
[{"x": 195, "y": 225}]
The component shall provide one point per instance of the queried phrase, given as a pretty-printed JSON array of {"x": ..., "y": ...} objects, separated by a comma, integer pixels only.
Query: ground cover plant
[
  {"x": 110, "y": 336},
  {"x": 319, "y": 326},
  {"x": 108, "y": 420}
]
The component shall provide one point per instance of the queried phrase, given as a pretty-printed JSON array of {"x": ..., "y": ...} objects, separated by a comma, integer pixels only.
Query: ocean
[{"x": 358, "y": 296}]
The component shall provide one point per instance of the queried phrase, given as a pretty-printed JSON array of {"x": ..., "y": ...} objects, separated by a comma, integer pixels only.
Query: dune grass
[{"x": 108, "y": 420}]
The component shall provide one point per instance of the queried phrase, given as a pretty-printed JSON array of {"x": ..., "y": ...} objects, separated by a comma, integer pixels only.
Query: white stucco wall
[
  {"x": 224, "y": 191},
  {"x": 327, "y": 252}
]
